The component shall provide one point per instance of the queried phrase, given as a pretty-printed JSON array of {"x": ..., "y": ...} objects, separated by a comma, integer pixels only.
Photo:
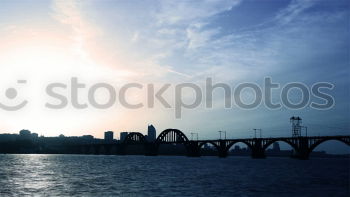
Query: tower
[
  {"x": 276, "y": 147},
  {"x": 123, "y": 135},
  {"x": 151, "y": 133},
  {"x": 296, "y": 126},
  {"x": 109, "y": 136}
]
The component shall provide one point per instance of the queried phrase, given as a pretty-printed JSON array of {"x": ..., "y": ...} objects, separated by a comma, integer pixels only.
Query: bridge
[{"x": 302, "y": 146}]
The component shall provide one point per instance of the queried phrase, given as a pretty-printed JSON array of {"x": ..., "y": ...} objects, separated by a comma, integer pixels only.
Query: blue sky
[{"x": 179, "y": 41}]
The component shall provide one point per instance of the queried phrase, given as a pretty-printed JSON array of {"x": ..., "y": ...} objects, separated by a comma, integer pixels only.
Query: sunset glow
[{"x": 174, "y": 43}]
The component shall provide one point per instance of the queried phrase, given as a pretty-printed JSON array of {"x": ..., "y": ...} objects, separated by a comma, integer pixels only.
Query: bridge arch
[
  {"x": 270, "y": 142},
  {"x": 320, "y": 141},
  {"x": 172, "y": 136},
  {"x": 134, "y": 138},
  {"x": 238, "y": 141},
  {"x": 212, "y": 143}
]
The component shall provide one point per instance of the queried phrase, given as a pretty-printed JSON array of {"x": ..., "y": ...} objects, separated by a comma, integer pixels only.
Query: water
[{"x": 89, "y": 175}]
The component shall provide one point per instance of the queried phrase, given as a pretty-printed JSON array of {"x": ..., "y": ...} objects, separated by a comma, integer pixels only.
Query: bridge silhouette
[{"x": 302, "y": 146}]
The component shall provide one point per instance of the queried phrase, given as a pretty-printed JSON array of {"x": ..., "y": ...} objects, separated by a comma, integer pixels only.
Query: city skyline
[
  {"x": 172, "y": 142},
  {"x": 175, "y": 43},
  {"x": 174, "y": 98},
  {"x": 297, "y": 129}
]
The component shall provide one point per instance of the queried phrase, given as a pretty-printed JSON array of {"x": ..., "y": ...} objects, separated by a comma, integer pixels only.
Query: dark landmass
[{"x": 31, "y": 143}]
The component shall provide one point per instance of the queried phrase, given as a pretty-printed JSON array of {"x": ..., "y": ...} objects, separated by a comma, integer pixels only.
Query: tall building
[
  {"x": 276, "y": 147},
  {"x": 151, "y": 135},
  {"x": 123, "y": 135},
  {"x": 109, "y": 136}
]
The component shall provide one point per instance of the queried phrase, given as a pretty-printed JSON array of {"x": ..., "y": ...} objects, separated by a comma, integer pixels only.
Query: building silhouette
[
  {"x": 109, "y": 136},
  {"x": 87, "y": 138},
  {"x": 151, "y": 134},
  {"x": 25, "y": 134},
  {"x": 276, "y": 147},
  {"x": 123, "y": 135}
]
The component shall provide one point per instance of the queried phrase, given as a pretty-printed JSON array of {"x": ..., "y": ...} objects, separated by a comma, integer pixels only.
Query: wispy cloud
[
  {"x": 293, "y": 10},
  {"x": 69, "y": 13},
  {"x": 180, "y": 38},
  {"x": 159, "y": 41},
  {"x": 187, "y": 12}
]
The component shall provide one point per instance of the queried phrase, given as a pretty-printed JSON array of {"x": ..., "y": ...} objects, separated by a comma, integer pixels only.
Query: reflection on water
[{"x": 62, "y": 175}]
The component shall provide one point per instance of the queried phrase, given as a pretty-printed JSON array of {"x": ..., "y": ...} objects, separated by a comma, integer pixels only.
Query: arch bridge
[
  {"x": 302, "y": 146},
  {"x": 134, "y": 138}
]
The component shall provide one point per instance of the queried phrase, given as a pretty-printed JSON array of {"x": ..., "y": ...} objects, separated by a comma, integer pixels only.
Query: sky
[{"x": 172, "y": 42}]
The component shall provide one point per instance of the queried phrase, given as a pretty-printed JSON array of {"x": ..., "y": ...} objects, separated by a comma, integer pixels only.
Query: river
[{"x": 97, "y": 175}]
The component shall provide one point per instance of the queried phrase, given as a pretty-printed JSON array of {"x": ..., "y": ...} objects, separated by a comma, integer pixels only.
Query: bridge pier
[
  {"x": 258, "y": 152},
  {"x": 303, "y": 149},
  {"x": 151, "y": 149},
  {"x": 222, "y": 154},
  {"x": 193, "y": 149},
  {"x": 222, "y": 149},
  {"x": 301, "y": 156}
]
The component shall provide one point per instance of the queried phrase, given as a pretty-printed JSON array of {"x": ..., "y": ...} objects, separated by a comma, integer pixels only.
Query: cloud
[
  {"x": 185, "y": 12},
  {"x": 199, "y": 38},
  {"x": 267, "y": 50},
  {"x": 135, "y": 37},
  {"x": 293, "y": 10},
  {"x": 181, "y": 38},
  {"x": 69, "y": 13},
  {"x": 176, "y": 41}
]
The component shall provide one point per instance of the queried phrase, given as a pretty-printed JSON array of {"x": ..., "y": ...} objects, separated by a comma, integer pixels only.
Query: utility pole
[
  {"x": 222, "y": 132},
  {"x": 194, "y": 134},
  {"x": 260, "y": 130}
]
